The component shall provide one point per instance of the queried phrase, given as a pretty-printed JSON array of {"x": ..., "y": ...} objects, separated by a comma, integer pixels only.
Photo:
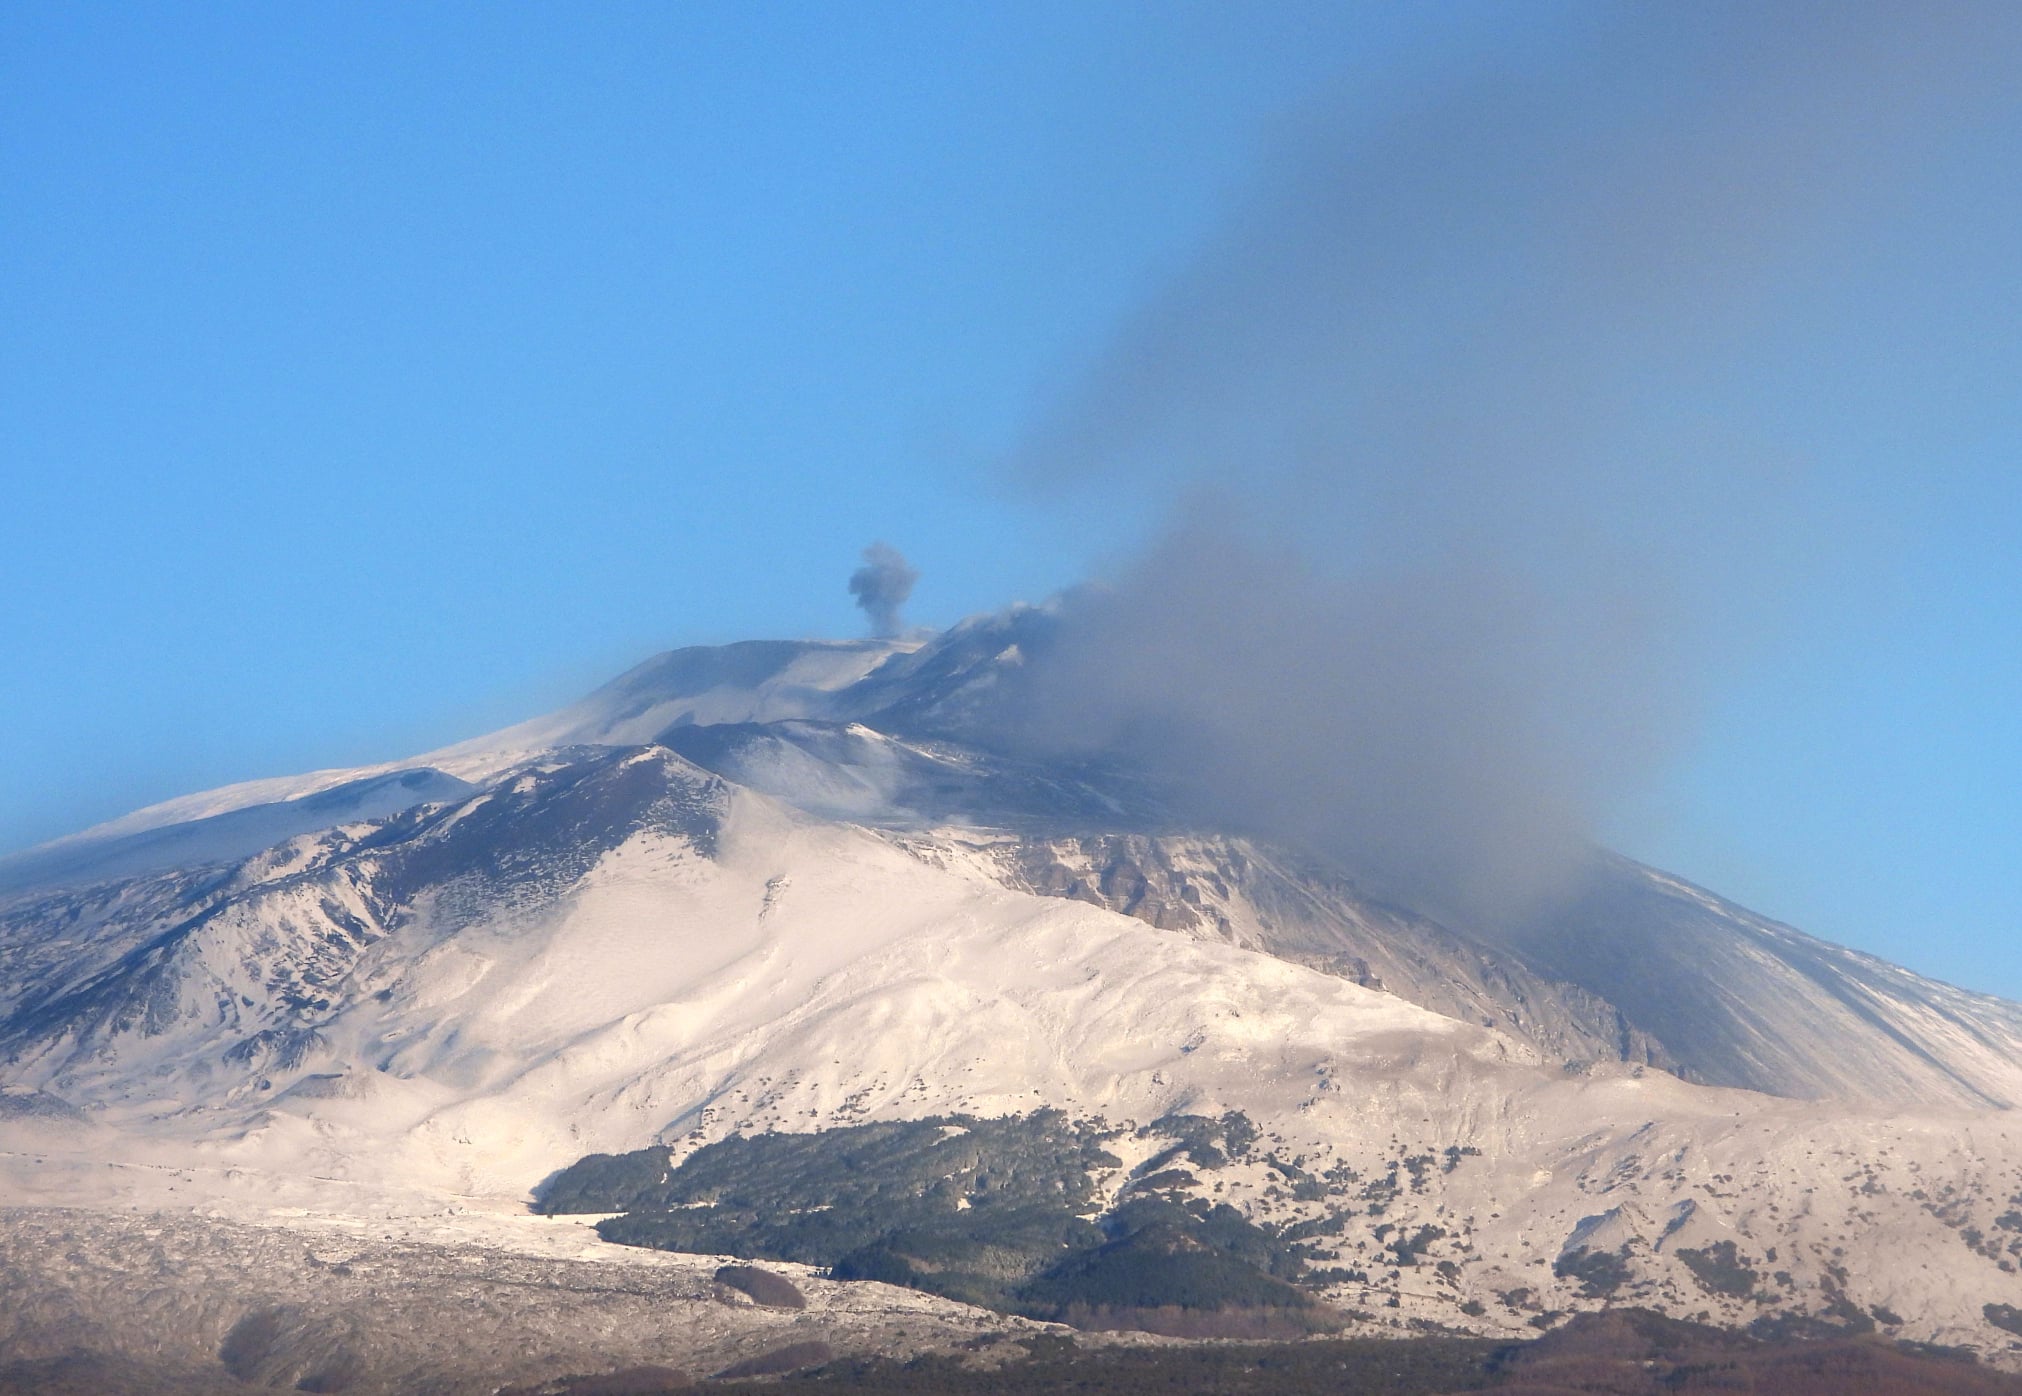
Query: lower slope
[{"x": 166, "y": 1302}]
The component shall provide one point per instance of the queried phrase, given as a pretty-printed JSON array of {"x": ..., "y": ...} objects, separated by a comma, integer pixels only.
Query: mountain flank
[{"x": 809, "y": 954}]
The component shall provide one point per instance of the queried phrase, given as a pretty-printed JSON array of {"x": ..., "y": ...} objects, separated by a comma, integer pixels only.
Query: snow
[
  {"x": 812, "y": 974},
  {"x": 803, "y": 971},
  {"x": 630, "y": 710},
  {"x": 227, "y": 835}
]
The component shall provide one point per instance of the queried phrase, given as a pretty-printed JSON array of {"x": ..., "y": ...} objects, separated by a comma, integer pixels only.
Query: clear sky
[{"x": 372, "y": 375}]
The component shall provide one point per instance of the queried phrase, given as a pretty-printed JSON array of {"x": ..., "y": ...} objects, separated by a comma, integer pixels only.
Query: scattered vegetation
[
  {"x": 1720, "y": 1269},
  {"x": 989, "y": 1212},
  {"x": 1600, "y": 1273},
  {"x": 1209, "y": 1142},
  {"x": 1407, "y": 1249},
  {"x": 1166, "y": 1255},
  {"x": 1455, "y": 1153}
]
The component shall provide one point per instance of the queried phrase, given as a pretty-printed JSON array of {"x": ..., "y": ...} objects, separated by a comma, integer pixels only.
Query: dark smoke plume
[
  {"x": 881, "y": 587},
  {"x": 1490, "y": 396}
]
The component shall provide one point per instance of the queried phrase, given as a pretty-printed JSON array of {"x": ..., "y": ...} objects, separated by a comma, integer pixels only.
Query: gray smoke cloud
[
  {"x": 1484, "y": 405},
  {"x": 881, "y": 587}
]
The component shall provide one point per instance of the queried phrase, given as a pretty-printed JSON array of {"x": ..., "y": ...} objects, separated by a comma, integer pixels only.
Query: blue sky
[{"x": 373, "y": 375}]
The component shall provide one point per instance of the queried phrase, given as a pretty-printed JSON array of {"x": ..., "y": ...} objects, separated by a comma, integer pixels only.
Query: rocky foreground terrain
[
  {"x": 206, "y": 1304},
  {"x": 96, "y": 1303},
  {"x": 172, "y": 1304}
]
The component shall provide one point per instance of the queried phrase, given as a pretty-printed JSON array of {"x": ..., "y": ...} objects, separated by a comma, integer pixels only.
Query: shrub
[
  {"x": 1719, "y": 1269},
  {"x": 1600, "y": 1273}
]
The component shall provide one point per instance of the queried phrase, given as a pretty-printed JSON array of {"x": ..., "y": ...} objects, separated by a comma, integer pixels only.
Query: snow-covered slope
[
  {"x": 1640, "y": 967},
  {"x": 903, "y": 736},
  {"x": 226, "y": 836},
  {"x": 627, "y": 949},
  {"x": 1763, "y": 1005},
  {"x": 796, "y": 886},
  {"x": 755, "y": 681}
]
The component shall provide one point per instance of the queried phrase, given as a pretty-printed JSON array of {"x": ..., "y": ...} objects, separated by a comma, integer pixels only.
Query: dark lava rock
[
  {"x": 791, "y": 1358},
  {"x": 764, "y": 1287}
]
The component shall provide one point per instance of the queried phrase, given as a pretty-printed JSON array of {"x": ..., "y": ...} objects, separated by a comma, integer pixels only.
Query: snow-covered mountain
[{"x": 805, "y": 885}]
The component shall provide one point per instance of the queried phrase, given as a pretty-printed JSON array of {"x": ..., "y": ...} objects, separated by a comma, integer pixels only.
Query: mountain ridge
[{"x": 883, "y": 733}]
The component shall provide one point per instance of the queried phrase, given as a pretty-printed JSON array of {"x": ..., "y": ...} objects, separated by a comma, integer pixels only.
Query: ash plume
[
  {"x": 881, "y": 587},
  {"x": 1484, "y": 405}
]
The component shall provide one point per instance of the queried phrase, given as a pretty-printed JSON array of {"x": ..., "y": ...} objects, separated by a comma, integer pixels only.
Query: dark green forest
[{"x": 1001, "y": 1213}]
